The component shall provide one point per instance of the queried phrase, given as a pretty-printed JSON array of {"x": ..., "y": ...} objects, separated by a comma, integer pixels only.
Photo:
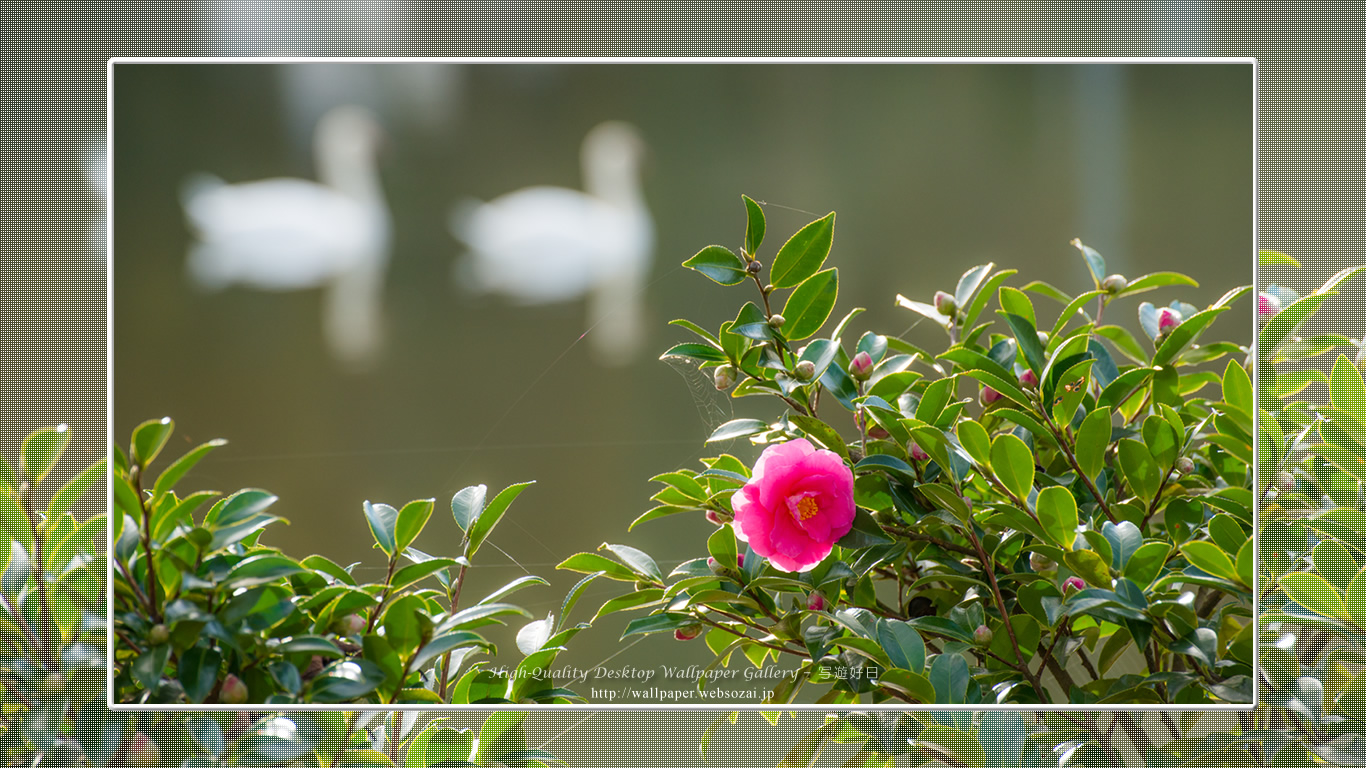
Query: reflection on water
[
  {"x": 931, "y": 168},
  {"x": 291, "y": 234},
  {"x": 546, "y": 244}
]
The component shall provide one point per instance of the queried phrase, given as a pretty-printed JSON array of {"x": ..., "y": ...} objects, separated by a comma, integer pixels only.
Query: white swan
[
  {"x": 291, "y": 234},
  {"x": 546, "y": 244}
]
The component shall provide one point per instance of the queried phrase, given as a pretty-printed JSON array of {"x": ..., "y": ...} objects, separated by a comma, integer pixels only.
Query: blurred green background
[{"x": 932, "y": 168}]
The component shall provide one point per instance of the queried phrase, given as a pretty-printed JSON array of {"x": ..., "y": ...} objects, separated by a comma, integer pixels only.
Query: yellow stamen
[{"x": 806, "y": 508}]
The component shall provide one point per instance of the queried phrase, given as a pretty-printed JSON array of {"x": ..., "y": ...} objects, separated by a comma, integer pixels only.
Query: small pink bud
[
  {"x": 1167, "y": 319},
  {"x": 1285, "y": 481},
  {"x": 982, "y": 635},
  {"x": 1267, "y": 305},
  {"x": 717, "y": 518},
  {"x": 815, "y": 602},
  {"x": 1114, "y": 283},
  {"x": 777, "y": 321},
  {"x": 234, "y": 691},
  {"x": 1073, "y": 582},
  {"x": 351, "y": 624},
  {"x": 143, "y": 751},
  {"x": 918, "y": 453},
  {"x": 1185, "y": 465},
  {"x": 724, "y": 377},
  {"x": 1029, "y": 379},
  {"x": 861, "y": 367},
  {"x": 989, "y": 396},
  {"x": 944, "y": 303},
  {"x": 804, "y": 370},
  {"x": 690, "y": 632}
]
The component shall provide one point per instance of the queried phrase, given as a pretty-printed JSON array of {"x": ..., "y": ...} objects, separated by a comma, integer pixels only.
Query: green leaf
[
  {"x": 147, "y": 668},
  {"x": 1095, "y": 263},
  {"x": 1334, "y": 563},
  {"x": 1003, "y": 736},
  {"x": 1140, "y": 469},
  {"x": 381, "y": 519},
  {"x": 1346, "y": 388},
  {"x": 638, "y": 561},
  {"x": 206, "y": 733},
  {"x": 467, "y": 504},
  {"x": 865, "y": 532},
  {"x": 949, "y": 674},
  {"x": 804, "y": 253},
  {"x": 198, "y": 672},
  {"x": 720, "y": 264},
  {"x": 492, "y": 513},
  {"x": 1125, "y": 539},
  {"x": 411, "y": 520},
  {"x": 960, "y": 746},
  {"x": 1356, "y": 598},
  {"x": 167, "y": 479},
  {"x": 659, "y": 622},
  {"x": 700, "y": 352},
  {"x": 737, "y": 428},
  {"x": 903, "y": 645},
  {"x": 822, "y": 432},
  {"x": 75, "y": 488},
  {"x": 411, "y": 574},
  {"x": 969, "y": 283},
  {"x": 41, "y": 449},
  {"x": 1014, "y": 301},
  {"x": 1090, "y": 567},
  {"x": 589, "y": 562},
  {"x": 754, "y": 225},
  {"x": 311, "y": 644},
  {"x": 1208, "y": 557},
  {"x": 404, "y": 622},
  {"x": 1155, "y": 280},
  {"x": 810, "y": 304},
  {"x": 1238, "y": 388},
  {"x": 1028, "y": 338},
  {"x": 1146, "y": 563},
  {"x": 975, "y": 440},
  {"x": 1057, "y": 511},
  {"x": 984, "y": 294},
  {"x": 629, "y": 601},
  {"x": 438, "y": 745},
  {"x": 261, "y": 569},
  {"x": 1093, "y": 438},
  {"x": 1184, "y": 335},
  {"x": 149, "y": 438},
  {"x": 499, "y": 736},
  {"x": 1013, "y": 464}
]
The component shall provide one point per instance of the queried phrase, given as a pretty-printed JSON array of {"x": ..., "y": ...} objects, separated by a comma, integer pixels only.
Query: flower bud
[
  {"x": 1073, "y": 582},
  {"x": 1184, "y": 465},
  {"x": 754, "y": 266},
  {"x": 724, "y": 377},
  {"x": 158, "y": 634},
  {"x": 1041, "y": 562},
  {"x": 804, "y": 370},
  {"x": 1029, "y": 379},
  {"x": 351, "y": 624},
  {"x": 1285, "y": 481},
  {"x": 717, "y": 518},
  {"x": 989, "y": 396},
  {"x": 769, "y": 288},
  {"x": 917, "y": 453},
  {"x": 861, "y": 367},
  {"x": 944, "y": 303},
  {"x": 143, "y": 752},
  {"x": 690, "y": 632},
  {"x": 234, "y": 691},
  {"x": 1114, "y": 283},
  {"x": 776, "y": 321},
  {"x": 1167, "y": 319},
  {"x": 1268, "y": 305},
  {"x": 815, "y": 602},
  {"x": 982, "y": 635}
]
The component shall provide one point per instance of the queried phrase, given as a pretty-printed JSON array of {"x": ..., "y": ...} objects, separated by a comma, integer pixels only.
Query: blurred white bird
[
  {"x": 547, "y": 244},
  {"x": 292, "y": 234}
]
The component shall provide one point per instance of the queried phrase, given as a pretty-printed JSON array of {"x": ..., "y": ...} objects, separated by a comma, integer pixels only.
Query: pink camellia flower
[
  {"x": 1073, "y": 582},
  {"x": 1267, "y": 305},
  {"x": 1167, "y": 319},
  {"x": 799, "y": 502},
  {"x": 861, "y": 366},
  {"x": 990, "y": 396},
  {"x": 1029, "y": 379}
]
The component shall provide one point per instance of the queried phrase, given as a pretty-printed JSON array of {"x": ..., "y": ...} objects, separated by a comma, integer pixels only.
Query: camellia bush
[
  {"x": 1048, "y": 510},
  {"x": 205, "y": 612},
  {"x": 1311, "y": 489}
]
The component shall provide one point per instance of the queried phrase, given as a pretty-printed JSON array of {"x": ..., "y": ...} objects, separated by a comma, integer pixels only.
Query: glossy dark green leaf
[
  {"x": 1028, "y": 339},
  {"x": 261, "y": 569},
  {"x": 754, "y": 225},
  {"x": 467, "y": 504},
  {"x": 1057, "y": 510},
  {"x": 969, "y": 283},
  {"x": 410, "y": 522},
  {"x": 1093, "y": 438},
  {"x": 699, "y": 352},
  {"x": 737, "y": 428},
  {"x": 172, "y": 475},
  {"x": 491, "y": 514},
  {"x": 902, "y": 644},
  {"x": 1140, "y": 469},
  {"x": 75, "y": 488},
  {"x": 864, "y": 533},
  {"x": 1125, "y": 538},
  {"x": 345, "y": 681},
  {"x": 500, "y": 735},
  {"x": 39, "y": 452},
  {"x": 1090, "y": 567},
  {"x": 1308, "y": 589},
  {"x": 198, "y": 673},
  {"x": 411, "y": 574},
  {"x": 751, "y": 323},
  {"x": 1184, "y": 335},
  {"x": 810, "y": 305},
  {"x": 949, "y": 675},
  {"x": 381, "y": 519},
  {"x": 804, "y": 253},
  {"x": 148, "y": 666},
  {"x": 720, "y": 264},
  {"x": 1209, "y": 558},
  {"x": 1095, "y": 263},
  {"x": 1013, "y": 464},
  {"x": 659, "y": 622},
  {"x": 589, "y": 562}
]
